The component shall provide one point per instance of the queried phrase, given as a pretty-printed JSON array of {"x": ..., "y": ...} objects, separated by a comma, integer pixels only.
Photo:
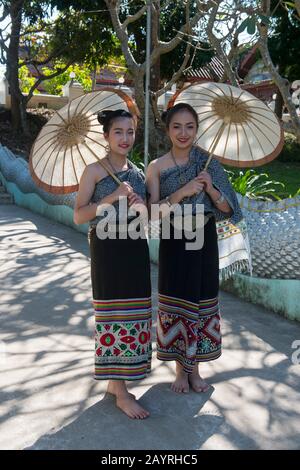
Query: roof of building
[{"x": 214, "y": 70}]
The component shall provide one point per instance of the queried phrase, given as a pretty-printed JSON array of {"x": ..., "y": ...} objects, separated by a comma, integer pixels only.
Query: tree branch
[
  {"x": 165, "y": 47},
  {"x": 177, "y": 74},
  {"x": 5, "y": 13},
  {"x": 174, "y": 79},
  {"x": 54, "y": 55},
  {"x": 297, "y": 6},
  {"x": 45, "y": 77},
  {"x": 282, "y": 84},
  {"x": 217, "y": 45},
  {"x": 133, "y": 18},
  {"x": 114, "y": 7},
  {"x": 39, "y": 30}
]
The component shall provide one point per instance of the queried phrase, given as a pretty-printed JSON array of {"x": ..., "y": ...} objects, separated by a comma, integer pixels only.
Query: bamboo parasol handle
[{"x": 215, "y": 143}]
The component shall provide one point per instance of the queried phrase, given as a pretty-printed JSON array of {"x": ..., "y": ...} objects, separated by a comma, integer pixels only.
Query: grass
[{"x": 287, "y": 173}]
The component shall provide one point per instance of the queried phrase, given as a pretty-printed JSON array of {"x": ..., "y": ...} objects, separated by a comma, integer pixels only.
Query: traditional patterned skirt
[
  {"x": 188, "y": 324},
  {"x": 120, "y": 274}
]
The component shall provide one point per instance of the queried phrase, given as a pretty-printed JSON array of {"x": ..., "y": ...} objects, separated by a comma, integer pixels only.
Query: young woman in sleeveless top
[
  {"x": 188, "y": 323},
  {"x": 120, "y": 267}
]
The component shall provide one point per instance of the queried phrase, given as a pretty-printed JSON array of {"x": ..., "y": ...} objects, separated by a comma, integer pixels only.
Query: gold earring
[{"x": 107, "y": 148}]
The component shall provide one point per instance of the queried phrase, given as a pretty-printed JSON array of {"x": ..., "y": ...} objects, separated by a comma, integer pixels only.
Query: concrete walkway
[{"x": 49, "y": 399}]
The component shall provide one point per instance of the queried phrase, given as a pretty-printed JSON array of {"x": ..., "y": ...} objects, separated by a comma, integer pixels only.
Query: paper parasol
[
  {"x": 235, "y": 127},
  {"x": 72, "y": 139}
]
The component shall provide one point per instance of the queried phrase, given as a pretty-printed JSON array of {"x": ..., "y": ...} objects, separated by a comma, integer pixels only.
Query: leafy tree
[
  {"x": 55, "y": 85},
  {"x": 26, "y": 80},
  {"x": 284, "y": 42},
  {"x": 46, "y": 42},
  {"x": 172, "y": 16}
]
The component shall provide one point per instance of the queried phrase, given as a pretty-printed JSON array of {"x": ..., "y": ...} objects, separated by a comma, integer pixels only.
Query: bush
[
  {"x": 254, "y": 186},
  {"x": 291, "y": 150},
  {"x": 136, "y": 157}
]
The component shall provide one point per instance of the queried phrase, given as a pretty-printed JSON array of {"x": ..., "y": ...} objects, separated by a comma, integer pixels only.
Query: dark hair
[
  {"x": 167, "y": 115},
  {"x": 107, "y": 117}
]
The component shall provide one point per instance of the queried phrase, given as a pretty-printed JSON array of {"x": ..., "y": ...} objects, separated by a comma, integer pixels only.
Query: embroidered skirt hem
[
  {"x": 188, "y": 322},
  {"x": 120, "y": 273}
]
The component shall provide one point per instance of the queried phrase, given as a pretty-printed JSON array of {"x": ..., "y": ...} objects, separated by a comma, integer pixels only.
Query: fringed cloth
[
  {"x": 120, "y": 274},
  {"x": 234, "y": 248},
  {"x": 188, "y": 323}
]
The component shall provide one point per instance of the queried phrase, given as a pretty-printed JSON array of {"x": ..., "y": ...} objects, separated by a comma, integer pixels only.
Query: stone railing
[{"x": 274, "y": 236}]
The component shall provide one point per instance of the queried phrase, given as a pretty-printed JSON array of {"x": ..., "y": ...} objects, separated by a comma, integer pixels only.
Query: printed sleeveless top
[{"x": 107, "y": 185}]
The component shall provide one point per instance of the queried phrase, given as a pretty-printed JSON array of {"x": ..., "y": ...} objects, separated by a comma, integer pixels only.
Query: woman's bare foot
[
  {"x": 130, "y": 407},
  {"x": 112, "y": 390},
  {"x": 126, "y": 401},
  {"x": 181, "y": 384},
  {"x": 196, "y": 381}
]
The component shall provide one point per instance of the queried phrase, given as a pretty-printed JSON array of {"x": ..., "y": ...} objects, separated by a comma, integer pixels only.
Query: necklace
[
  {"x": 114, "y": 169},
  {"x": 182, "y": 176}
]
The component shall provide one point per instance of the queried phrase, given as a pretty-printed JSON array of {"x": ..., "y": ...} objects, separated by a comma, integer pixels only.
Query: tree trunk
[
  {"x": 282, "y": 84},
  {"x": 297, "y": 6},
  {"x": 279, "y": 105},
  {"x": 18, "y": 113}
]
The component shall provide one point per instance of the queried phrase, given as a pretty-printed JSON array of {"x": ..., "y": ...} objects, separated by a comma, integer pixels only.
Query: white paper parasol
[
  {"x": 234, "y": 126},
  {"x": 72, "y": 139}
]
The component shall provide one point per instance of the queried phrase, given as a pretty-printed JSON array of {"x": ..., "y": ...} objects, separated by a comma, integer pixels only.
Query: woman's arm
[
  {"x": 153, "y": 189},
  {"x": 153, "y": 186},
  {"x": 213, "y": 193},
  {"x": 85, "y": 211}
]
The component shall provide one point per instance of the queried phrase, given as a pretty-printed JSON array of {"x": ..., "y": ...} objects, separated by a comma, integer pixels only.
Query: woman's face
[
  {"x": 182, "y": 129},
  {"x": 121, "y": 135}
]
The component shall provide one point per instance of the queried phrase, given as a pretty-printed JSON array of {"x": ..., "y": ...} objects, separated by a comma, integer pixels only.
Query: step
[
  {"x": 6, "y": 198},
  {"x": 2, "y": 189}
]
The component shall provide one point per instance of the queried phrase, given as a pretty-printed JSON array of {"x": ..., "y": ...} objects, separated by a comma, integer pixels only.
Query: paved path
[{"x": 49, "y": 399}]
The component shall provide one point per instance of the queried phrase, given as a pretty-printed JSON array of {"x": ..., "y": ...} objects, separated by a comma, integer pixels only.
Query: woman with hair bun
[
  {"x": 120, "y": 267},
  {"x": 188, "y": 324}
]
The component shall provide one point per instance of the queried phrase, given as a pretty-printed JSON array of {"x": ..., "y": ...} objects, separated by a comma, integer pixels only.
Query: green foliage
[
  {"x": 25, "y": 80},
  {"x": 250, "y": 23},
  {"x": 54, "y": 85},
  {"x": 171, "y": 19},
  {"x": 84, "y": 36},
  {"x": 284, "y": 42},
  {"x": 136, "y": 156},
  {"x": 254, "y": 186},
  {"x": 289, "y": 4},
  {"x": 290, "y": 151},
  {"x": 71, "y": 37},
  {"x": 35, "y": 10},
  {"x": 297, "y": 193},
  {"x": 283, "y": 37}
]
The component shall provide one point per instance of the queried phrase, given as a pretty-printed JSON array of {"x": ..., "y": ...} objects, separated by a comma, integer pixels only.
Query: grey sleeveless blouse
[
  {"x": 107, "y": 185},
  {"x": 169, "y": 183}
]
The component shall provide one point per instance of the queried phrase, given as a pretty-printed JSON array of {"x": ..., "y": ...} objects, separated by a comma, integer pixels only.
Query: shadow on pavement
[{"x": 175, "y": 423}]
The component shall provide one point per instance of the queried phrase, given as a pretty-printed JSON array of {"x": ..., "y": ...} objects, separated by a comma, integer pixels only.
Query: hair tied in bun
[
  {"x": 103, "y": 116},
  {"x": 164, "y": 115},
  {"x": 107, "y": 117}
]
